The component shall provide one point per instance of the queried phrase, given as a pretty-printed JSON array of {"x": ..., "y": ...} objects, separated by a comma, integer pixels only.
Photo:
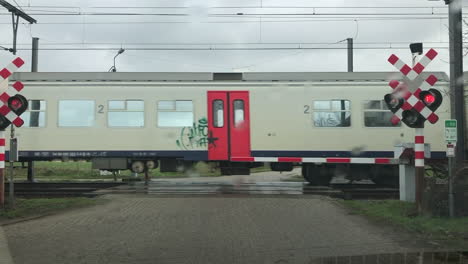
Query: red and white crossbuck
[
  {"x": 4, "y": 96},
  {"x": 412, "y": 100}
]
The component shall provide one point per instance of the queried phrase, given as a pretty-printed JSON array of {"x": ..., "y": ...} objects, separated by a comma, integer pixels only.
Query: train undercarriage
[{"x": 314, "y": 173}]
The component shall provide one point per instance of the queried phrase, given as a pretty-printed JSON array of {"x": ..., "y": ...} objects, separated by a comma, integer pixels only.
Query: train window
[
  {"x": 175, "y": 113},
  {"x": 332, "y": 113},
  {"x": 76, "y": 113},
  {"x": 218, "y": 113},
  {"x": 126, "y": 113},
  {"x": 238, "y": 112},
  {"x": 35, "y": 115},
  {"x": 376, "y": 114}
]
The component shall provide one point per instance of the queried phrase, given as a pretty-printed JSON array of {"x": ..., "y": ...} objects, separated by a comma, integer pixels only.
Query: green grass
[
  {"x": 74, "y": 170},
  {"x": 41, "y": 206},
  {"x": 403, "y": 214}
]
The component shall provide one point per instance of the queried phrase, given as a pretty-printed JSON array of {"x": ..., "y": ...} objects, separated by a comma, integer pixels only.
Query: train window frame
[
  {"x": 125, "y": 109},
  {"x": 73, "y": 127},
  {"x": 382, "y": 109},
  {"x": 29, "y": 110},
  {"x": 216, "y": 114},
  {"x": 315, "y": 110},
  {"x": 238, "y": 123},
  {"x": 174, "y": 109}
]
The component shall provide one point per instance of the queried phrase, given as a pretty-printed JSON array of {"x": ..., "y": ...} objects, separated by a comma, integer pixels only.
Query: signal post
[
  {"x": 413, "y": 104},
  {"x": 12, "y": 105}
]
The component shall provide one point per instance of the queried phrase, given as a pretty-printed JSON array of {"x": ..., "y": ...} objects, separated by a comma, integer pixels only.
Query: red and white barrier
[{"x": 318, "y": 160}]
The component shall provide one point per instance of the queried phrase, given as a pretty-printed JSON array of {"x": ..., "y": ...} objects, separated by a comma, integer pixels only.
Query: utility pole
[
  {"x": 35, "y": 104},
  {"x": 350, "y": 54},
  {"x": 457, "y": 108},
  {"x": 35, "y": 55},
  {"x": 15, "y": 15}
]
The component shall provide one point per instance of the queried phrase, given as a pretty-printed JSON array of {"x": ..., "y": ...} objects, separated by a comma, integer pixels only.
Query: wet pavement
[{"x": 204, "y": 229}]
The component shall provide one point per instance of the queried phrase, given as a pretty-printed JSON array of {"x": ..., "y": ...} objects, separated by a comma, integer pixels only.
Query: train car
[{"x": 328, "y": 123}]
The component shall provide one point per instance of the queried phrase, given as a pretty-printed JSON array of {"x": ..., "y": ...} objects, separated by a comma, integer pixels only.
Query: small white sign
[{"x": 450, "y": 151}]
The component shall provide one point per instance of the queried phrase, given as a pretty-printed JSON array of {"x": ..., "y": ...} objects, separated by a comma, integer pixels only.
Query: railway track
[
  {"x": 60, "y": 189},
  {"x": 91, "y": 189},
  {"x": 357, "y": 191}
]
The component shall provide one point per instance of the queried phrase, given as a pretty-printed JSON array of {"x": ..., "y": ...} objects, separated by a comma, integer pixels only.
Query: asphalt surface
[{"x": 207, "y": 229}]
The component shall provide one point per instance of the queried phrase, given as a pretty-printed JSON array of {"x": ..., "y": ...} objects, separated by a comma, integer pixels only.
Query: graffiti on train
[{"x": 195, "y": 136}]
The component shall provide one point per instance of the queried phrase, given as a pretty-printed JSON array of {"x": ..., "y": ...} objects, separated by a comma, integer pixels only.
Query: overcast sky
[{"x": 369, "y": 27}]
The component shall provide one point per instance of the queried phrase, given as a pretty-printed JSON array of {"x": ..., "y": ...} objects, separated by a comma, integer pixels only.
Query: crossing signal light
[
  {"x": 393, "y": 102},
  {"x": 432, "y": 98},
  {"x": 413, "y": 118},
  {"x": 18, "y": 104},
  {"x": 4, "y": 122},
  {"x": 428, "y": 99}
]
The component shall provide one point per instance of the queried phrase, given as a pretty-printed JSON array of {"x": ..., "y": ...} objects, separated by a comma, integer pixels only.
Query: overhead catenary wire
[
  {"x": 215, "y": 49},
  {"x": 307, "y": 20},
  {"x": 230, "y": 43}
]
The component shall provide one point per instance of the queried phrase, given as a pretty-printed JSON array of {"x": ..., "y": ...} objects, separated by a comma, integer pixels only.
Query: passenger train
[{"x": 328, "y": 123}]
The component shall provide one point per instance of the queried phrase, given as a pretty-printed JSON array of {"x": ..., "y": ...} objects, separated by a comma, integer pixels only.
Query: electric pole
[
  {"x": 350, "y": 55},
  {"x": 457, "y": 108}
]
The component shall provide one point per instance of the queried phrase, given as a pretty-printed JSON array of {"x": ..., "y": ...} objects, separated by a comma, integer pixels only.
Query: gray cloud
[{"x": 200, "y": 31}]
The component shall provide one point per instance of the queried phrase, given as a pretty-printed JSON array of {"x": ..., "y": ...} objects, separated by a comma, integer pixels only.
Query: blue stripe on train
[{"x": 201, "y": 154}]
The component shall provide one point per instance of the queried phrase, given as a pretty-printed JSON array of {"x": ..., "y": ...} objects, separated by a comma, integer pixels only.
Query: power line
[
  {"x": 231, "y": 14},
  {"x": 221, "y": 49},
  {"x": 18, "y": 5},
  {"x": 232, "y": 43},
  {"x": 318, "y": 19}
]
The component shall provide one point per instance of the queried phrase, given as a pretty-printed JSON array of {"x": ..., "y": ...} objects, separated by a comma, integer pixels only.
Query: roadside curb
[
  {"x": 23, "y": 219},
  {"x": 5, "y": 256}
]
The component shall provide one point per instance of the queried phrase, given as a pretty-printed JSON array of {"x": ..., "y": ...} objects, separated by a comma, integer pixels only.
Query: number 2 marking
[
  {"x": 306, "y": 109},
  {"x": 100, "y": 109}
]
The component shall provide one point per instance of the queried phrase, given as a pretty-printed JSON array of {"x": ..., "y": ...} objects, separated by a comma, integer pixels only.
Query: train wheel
[
  {"x": 316, "y": 175},
  {"x": 138, "y": 166}
]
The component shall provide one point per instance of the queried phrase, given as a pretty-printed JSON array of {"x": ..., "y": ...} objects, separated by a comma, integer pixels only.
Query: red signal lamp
[
  {"x": 429, "y": 99},
  {"x": 16, "y": 104}
]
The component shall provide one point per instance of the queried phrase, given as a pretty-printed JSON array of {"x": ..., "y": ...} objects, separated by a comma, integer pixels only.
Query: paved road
[
  {"x": 5, "y": 256},
  {"x": 150, "y": 229}
]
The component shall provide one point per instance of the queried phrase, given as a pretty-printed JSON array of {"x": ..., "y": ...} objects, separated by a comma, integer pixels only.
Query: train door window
[
  {"x": 35, "y": 115},
  {"x": 376, "y": 114},
  {"x": 332, "y": 113},
  {"x": 76, "y": 113},
  {"x": 126, "y": 113},
  {"x": 218, "y": 113},
  {"x": 175, "y": 113},
  {"x": 238, "y": 112}
]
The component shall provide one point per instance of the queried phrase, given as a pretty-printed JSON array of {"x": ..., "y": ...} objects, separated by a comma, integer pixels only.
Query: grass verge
[
  {"x": 40, "y": 206},
  {"x": 402, "y": 214}
]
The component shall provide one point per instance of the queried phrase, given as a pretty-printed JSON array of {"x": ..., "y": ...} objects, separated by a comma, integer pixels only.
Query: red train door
[{"x": 228, "y": 124}]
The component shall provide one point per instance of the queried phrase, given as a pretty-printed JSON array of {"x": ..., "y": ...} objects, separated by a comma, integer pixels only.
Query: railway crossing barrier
[
  {"x": 413, "y": 104},
  {"x": 12, "y": 105}
]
